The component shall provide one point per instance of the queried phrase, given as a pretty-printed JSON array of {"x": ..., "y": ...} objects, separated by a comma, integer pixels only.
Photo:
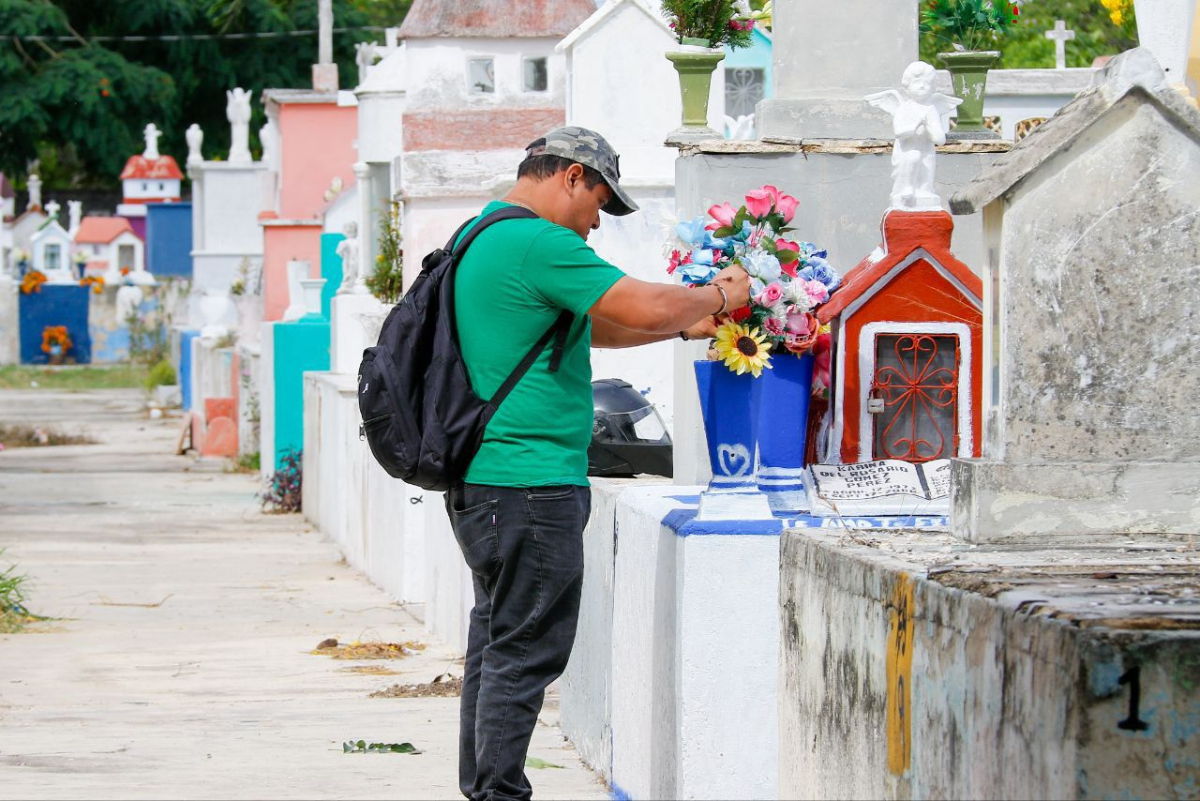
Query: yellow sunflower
[{"x": 743, "y": 348}]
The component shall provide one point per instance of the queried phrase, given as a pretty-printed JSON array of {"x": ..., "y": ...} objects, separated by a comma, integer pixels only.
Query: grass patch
[
  {"x": 13, "y": 614},
  {"x": 74, "y": 377},
  {"x": 26, "y": 436},
  {"x": 248, "y": 463}
]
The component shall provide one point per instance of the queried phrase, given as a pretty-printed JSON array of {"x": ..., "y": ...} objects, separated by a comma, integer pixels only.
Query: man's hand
[
  {"x": 736, "y": 283},
  {"x": 705, "y": 329}
]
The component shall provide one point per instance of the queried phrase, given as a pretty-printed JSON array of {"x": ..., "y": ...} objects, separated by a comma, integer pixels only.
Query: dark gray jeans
[{"x": 525, "y": 550}]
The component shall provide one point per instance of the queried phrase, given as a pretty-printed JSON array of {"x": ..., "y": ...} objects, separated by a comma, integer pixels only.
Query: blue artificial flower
[
  {"x": 713, "y": 243},
  {"x": 695, "y": 274},
  {"x": 809, "y": 251},
  {"x": 817, "y": 269},
  {"x": 692, "y": 232},
  {"x": 761, "y": 264},
  {"x": 704, "y": 257}
]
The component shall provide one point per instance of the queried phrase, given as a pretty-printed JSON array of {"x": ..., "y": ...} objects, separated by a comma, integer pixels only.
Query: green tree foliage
[
  {"x": 80, "y": 105},
  {"x": 1025, "y": 45}
]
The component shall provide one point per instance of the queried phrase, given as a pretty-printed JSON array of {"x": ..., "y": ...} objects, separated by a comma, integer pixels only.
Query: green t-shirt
[{"x": 511, "y": 286}]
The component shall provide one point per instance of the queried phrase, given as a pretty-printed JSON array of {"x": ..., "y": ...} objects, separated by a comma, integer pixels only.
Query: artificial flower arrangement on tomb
[
  {"x": 789, "y": 279},
  {"x": 717, "y": 22},
  {"x": 96, "y": 282},
  {"x": 32, "y": 282},
  {"x": 21, "y": 257},
  {"x": 55, "y": 336},
  {"x": 969, "y": 24}
]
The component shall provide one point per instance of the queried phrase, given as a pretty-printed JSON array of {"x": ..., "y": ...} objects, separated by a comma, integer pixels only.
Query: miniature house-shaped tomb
[{"x": 907, "y": 328}]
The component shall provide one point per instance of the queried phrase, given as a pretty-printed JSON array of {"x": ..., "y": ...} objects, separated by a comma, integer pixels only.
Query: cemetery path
[{"x": 180, "y": 664}]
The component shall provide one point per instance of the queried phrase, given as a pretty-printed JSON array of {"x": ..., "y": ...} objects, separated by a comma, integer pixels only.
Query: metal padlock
[{"x": 875, "y": 404}]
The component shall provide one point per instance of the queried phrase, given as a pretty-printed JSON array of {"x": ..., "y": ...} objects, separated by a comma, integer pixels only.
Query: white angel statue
[
  {"x": 237, "y": 111},
  {"x": 920, "y": 120}
]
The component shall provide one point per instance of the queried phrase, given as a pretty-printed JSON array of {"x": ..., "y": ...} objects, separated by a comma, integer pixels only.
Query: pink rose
[
  {"x": 786, "y": 205},
  {"x": 772, "y": 294},
  {"x": 773, "y": 326},
  {"x": 824, "y": 353},
  {"x": 759, "y": 202},
  {"x": 817, "y": 292},
  {"x": 798, "y": 323},
  {"x": 723, "y": 214}
]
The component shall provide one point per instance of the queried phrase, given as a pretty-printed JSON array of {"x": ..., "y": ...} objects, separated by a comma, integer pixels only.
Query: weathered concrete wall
[
  {"x": 694, "y": 649},
  {"x": 376, "y": 521},
  {"x": 1136, "y": 403},
  {"x": 586, "y": 690},
  {"x": 249, "y": 400},
  {"x": 10, "y": 335},
  {"x": 919, "y": 667}
]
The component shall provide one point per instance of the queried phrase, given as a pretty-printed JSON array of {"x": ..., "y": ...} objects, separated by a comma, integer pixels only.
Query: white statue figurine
[
  {"x": 266, "y": 137},
  {"x": 151, "y": 133},
  {"x": 348, "y": 249},
  {"x": 195, "y": 138},
  {"x": 920, "y": 120},
  {"x": 366, "y": 54},
  {"x": 237, "y": 111},
  {"x": 35, "y": 193},
  {"x": 741, "y": 128},
  {"x": 74, "y": 216}
]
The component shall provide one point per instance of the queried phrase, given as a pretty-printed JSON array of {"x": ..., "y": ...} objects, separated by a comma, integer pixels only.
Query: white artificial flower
[{"x": 795, "y": 293}]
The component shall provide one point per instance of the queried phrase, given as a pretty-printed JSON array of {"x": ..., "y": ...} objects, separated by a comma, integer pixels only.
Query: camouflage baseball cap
[{"x": 591, "y": 150}]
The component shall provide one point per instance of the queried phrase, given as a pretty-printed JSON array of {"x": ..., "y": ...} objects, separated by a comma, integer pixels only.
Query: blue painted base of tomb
[
  {"x": 55, "y": 305},
  {"x": 185, "y": 367},
  {"x": 683, "y": 522}
]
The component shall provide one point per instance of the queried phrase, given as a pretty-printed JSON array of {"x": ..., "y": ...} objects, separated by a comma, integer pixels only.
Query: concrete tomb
[{"x": 1093, "y": 278}]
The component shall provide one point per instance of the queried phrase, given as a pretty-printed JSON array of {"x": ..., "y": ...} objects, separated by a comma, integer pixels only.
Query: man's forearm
[
  {"x": 690, "y": 305},
  {"x": 611, "y": 335}
]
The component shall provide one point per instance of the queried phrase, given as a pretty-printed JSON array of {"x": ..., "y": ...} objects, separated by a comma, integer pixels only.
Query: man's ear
[{"x": 574, "y": 174}]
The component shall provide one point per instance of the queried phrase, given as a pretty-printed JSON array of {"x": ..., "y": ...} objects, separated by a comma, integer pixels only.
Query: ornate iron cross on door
[{"x": 915, "y": 397}]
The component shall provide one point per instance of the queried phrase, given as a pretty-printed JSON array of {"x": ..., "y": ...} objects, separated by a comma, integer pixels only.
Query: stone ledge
[
  {"x": 917, "y": 666},
  {"x": 776, "y": 146},
  {"x": 1120, "y": 584}
]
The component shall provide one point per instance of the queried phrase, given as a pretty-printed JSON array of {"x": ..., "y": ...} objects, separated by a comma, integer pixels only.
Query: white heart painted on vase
[{"x": 734, "y": 459}]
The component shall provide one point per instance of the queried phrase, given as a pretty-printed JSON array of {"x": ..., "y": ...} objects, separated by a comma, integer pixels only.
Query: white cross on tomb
[{"x": 1061, "y": 35}]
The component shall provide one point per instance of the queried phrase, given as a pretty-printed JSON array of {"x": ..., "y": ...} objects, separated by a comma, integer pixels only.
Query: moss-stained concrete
[{"x": 1035, "y": 672}]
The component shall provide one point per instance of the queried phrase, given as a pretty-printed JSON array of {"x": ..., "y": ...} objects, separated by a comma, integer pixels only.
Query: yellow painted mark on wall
[
  {"x": 899, "y": 676},
  {"x": 1194, "y": 55}
]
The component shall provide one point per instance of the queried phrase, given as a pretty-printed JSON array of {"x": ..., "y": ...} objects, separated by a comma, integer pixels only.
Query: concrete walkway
[{"x": 181, "y": 666}]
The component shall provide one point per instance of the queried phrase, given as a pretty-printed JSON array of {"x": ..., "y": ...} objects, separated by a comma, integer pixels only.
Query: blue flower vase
[
  {"x": 727, "y": 410},
  {"x": 780, "y": 401}
]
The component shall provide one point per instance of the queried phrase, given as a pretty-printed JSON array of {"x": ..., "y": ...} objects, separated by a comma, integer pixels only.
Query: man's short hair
[{"x": 542, "y": 167}]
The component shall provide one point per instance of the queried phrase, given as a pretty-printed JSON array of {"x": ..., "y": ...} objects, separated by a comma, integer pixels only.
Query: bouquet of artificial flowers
[
  {"x": 789, "y": 279},
  {"x": 717, "y": 22}
]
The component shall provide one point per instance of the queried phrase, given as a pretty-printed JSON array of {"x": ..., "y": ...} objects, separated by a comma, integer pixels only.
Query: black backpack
[{"x": 421, "y": 417}]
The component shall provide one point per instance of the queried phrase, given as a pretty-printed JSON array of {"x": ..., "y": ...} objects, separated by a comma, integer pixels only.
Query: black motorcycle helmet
[{"x": 628, "y": 436}]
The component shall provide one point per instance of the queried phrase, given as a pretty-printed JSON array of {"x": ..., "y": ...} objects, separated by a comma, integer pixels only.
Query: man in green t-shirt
[{"x": 520, "y": 513}]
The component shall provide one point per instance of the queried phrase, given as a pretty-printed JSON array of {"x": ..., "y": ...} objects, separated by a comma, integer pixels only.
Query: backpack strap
[
  {"x": 557, "y": 332},
  {"x": 459, "y": 249}
]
